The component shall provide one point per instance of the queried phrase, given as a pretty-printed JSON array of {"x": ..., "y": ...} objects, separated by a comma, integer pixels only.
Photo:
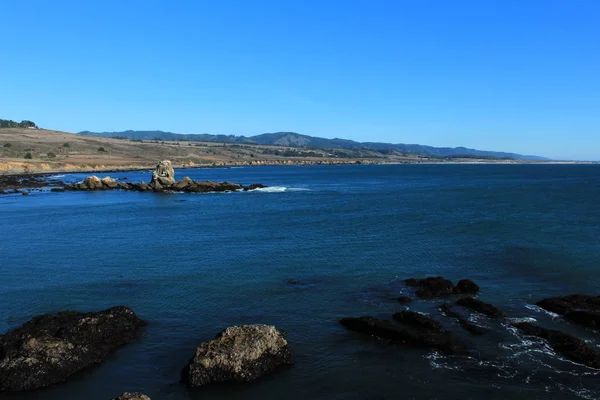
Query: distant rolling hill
[{"x": 292, "y": 139}]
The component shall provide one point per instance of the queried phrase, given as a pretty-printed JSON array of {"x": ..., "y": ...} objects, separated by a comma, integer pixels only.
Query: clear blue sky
[{"x": 520, "y": 75}]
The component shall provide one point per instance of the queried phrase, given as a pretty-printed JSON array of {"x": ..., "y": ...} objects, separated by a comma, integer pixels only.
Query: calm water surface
[{"x": 193, "y": 264}]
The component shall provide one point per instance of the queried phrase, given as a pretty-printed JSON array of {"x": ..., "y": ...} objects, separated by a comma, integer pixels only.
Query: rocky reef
[
  {"x": 578, "y": 308},
  {"x": 238, "y": 354},
  {"x": 163, "y": 179},
  {"x": 51, "y": 347}
]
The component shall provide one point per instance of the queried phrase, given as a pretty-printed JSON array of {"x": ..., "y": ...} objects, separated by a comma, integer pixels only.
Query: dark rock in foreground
[
  {"x": 238, "y": 354},
  {"x": 578, "y": 308},
  {"x": 132, "y": 396},
  {"x": 480, "y": 307},
  {"x": 428, "y": 338},
  {"x": 404, "y": 299},
  {"x": 446, "y": 308},
  {"x": 50, "y": 348},
  {"x": 417, "y": 320},
  {"x": 571, "y": 347}
]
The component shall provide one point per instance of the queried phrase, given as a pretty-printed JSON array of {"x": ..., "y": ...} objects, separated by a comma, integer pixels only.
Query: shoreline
[{"x": 283, "y": 163}]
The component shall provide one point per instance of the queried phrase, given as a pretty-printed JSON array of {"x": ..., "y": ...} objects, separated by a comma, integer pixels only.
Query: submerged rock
[
  {"x": 480, "y": 307},
  {"x": 132, "y": 396},
  {"x": 419, "y": 337},
  {"x": 431, "y": 287},
  {"x": 50, "y": 348},
  {"x": 569, "y": 346},
  {"x": 466, "y": 286},
  {"x": 446, "y": 308},
  {"x": 239, "y": 354},
  {"x": 404, "y": 299}
]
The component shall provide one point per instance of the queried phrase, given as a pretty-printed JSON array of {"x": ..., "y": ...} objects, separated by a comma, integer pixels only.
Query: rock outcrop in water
[
  {"x": 50, "y": 348},
  {"x": 163, "y": 175},
  {"x": 238, "y": 354},
  {"x": 163, "y": 179},
  {"x": 433, "y": 287},
  {"x": 577, "y": 308},
  {"x": 571, "y": 347},
  {"x": 419, "y": 331}
]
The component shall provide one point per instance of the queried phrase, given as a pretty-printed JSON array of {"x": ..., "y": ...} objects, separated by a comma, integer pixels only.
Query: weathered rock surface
[
  {"x": 446, "y": 308},
  {"x": 577, "y": 308},
  {"x": 571, "y": 347},
  {"x": 51, "y": 347},
  {"x": 239, "y": 354},
  {"x": 419, "y": 337},
  {"x": 109, "y": 182},
  {"x": 132, "y": 396},
  {"x": 480, "y": 307},
  {"x": 163, "y": 175}
]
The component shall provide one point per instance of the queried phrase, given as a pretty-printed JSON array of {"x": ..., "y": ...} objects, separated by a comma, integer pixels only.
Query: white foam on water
[
  {"x": 535, "y": 308},
  {"x": 270, "y": 189},
  {"x": 524, "y": 319},
  {"x": 57, "y": 176}
]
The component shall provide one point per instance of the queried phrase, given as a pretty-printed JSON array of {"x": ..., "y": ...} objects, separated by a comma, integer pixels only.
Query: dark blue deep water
[{"x": 193, "y": 264}]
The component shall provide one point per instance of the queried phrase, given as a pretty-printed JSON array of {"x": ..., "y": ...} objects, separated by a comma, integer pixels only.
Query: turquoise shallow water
[{"x": 193, "y": 264}]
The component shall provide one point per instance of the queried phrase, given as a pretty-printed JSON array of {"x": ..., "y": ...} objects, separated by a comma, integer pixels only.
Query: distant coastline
[{"x": 26, "y": 151}]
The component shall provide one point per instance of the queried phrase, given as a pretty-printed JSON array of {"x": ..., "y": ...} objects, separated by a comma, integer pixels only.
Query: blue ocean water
[{"x": 324, "y": 242}]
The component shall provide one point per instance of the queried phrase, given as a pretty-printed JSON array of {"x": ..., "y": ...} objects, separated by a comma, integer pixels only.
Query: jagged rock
[
  {"x": 124, "y": 186},
  {"x": 466, "y": 286},
  {"x": 254, "y": 186},
  {"x": 50, "y": 348},
  {"x": 132, "y": 396},
  {"x": 92, "y": 182},
  {"x": 404, "y": 299},
  {"x": 431, "y": 287},
  {"x": 446, "y": 308},
  {"x": 577, "y": 308},
  {"x": 417, "y": 320},
  {"x": 109, "y": 182},
  {"x": 569, "y": 346},
  {"x": 57, "y": 189},
  {"x": 163, "y": 174},
  {"x": 144, "y": 187},
  {"x": 240, "y": 353},
  {"x": 182, "y": 184},
  {"x": 428, "y": 338},
  {"x": 481, "y": 307}
]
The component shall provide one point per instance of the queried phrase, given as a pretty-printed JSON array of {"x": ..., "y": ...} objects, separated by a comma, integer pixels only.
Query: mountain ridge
[{"x": 293, "y": 139}]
